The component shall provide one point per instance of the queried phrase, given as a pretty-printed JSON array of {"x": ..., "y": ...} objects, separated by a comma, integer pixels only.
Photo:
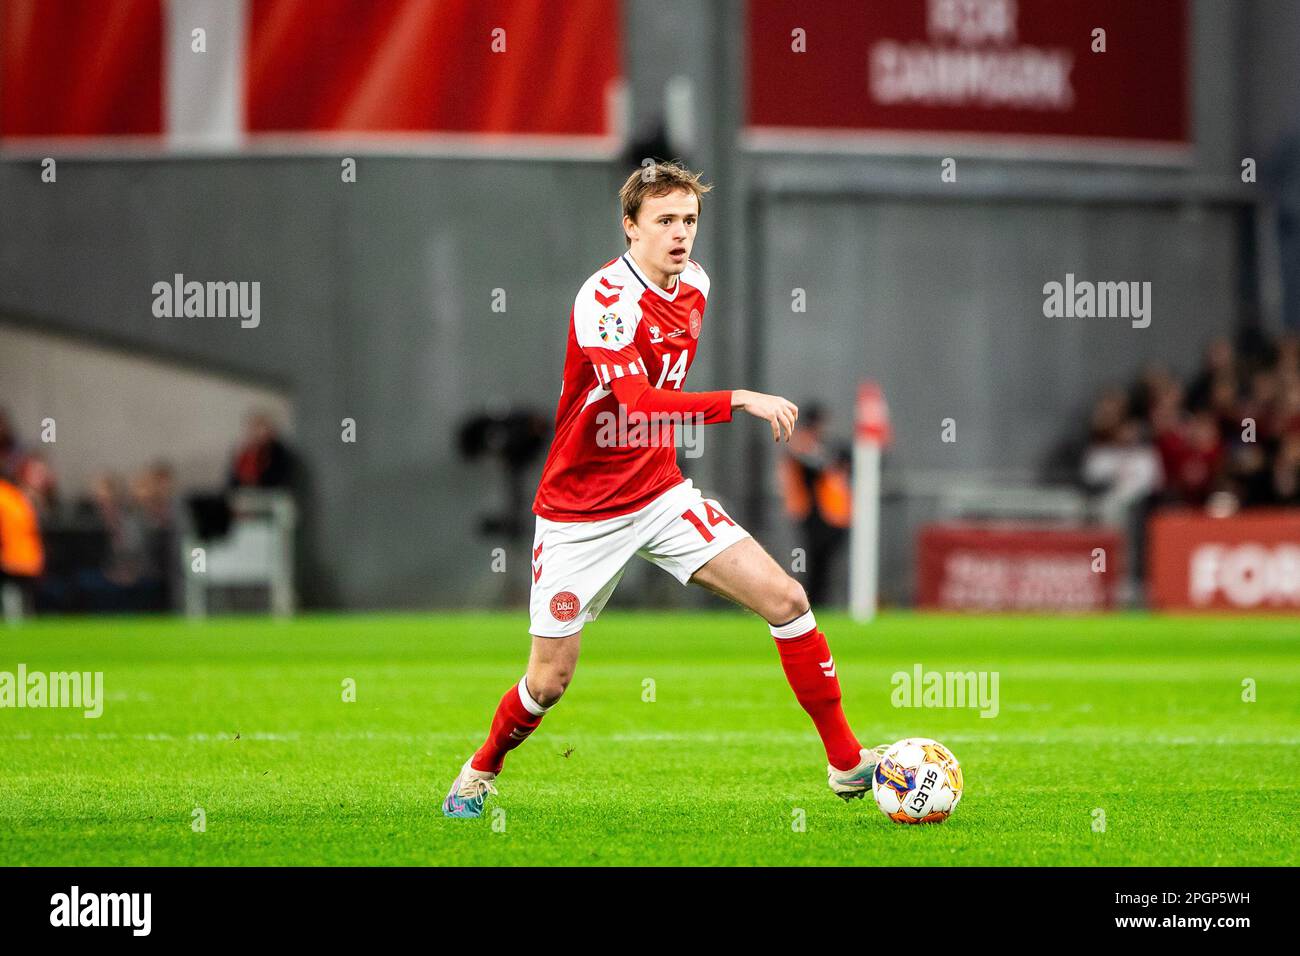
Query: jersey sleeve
[
  {"x": 640, "y": 396},
  {"x": 604, "y": 323}
]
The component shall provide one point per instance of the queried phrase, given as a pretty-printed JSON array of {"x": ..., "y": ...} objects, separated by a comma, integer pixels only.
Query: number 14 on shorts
[{"x": 714, "y": 516}]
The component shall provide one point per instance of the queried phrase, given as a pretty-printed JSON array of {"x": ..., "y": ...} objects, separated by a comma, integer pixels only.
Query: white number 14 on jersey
[{"x": 677, "y": 373}]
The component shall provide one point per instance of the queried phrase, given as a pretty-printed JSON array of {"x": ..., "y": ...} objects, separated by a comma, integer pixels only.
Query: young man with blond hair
[{"x": 633, "y": 334}]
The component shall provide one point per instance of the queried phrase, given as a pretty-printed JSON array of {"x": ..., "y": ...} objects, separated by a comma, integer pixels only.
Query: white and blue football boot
[
  {"x": 856, "y": 783},
  {"x": 468, "y": 793}
]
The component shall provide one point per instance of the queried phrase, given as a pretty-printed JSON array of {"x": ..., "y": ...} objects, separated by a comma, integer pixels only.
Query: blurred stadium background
[{"x": 420, "y": 186}]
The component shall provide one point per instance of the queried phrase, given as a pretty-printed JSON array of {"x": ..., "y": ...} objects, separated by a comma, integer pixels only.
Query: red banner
[
  {"x": 844, "y": 71},
  {"x": 80, "y": 67},
  {"x": 464, "y": 66},
  {"x": 990, "y": 567},
  {"x": 1247, "y": 562}
]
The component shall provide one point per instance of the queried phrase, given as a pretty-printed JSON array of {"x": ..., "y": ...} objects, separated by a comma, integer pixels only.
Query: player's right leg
[
  {"x": 550, "y": 668},
  {"x": 575, "y": 568}
]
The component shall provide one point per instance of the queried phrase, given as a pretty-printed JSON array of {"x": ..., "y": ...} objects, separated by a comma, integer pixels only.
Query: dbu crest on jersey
[{"x": 610, "y": 327}]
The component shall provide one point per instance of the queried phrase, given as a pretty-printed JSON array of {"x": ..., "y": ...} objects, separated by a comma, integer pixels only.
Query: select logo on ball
[
  {"x": 565, "y": 606},
  {"x": 921, "y": 798}
]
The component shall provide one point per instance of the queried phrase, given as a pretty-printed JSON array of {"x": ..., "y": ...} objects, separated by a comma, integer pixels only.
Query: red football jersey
[{"x": 622, "y": 325}]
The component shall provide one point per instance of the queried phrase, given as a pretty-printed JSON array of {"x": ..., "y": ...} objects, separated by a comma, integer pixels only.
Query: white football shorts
[{"x": 577, "y": 564}]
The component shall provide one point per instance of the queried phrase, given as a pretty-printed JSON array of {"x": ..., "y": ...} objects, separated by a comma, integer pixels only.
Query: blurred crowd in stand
[
  {"x": 113, "y": 547},
  {"x": 1225, "y": 439}
]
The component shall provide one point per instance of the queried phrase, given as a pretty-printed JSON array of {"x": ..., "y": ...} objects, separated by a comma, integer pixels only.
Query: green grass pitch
[{"x": 1134, "y": 717}]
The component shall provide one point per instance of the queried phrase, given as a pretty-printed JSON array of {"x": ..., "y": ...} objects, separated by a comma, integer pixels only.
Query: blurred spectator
[
  {"x": 1262, "y": 404},
  {"x": 1223, "y": 403},
  {"x": 10, "y": 450},
  {"x": 157, "y": 495},
  {"x": 1286, "y": 471},
  {"x": 1154, "y": 381},
  {"x": 1288, "y": 407},
  {"x": 36, "y": 478},
  {"x": 263, "y": 461},
  {"x": 30, "y": 470},
  {"x": 1191, "y": 453},
  {"x": 1220, "y": 367},
  {"x": 161, "y": 509},
  {"x": 818, "y": 495},
  {"x": 1288, "y": 357},
  {"x": 1166, "y": 408},
  {"x": 131, "y": 577},
  {"x": 1123, "y": 470},
  {"x": 1108, "y": 414},
  {"x": 22, "y": 554}
]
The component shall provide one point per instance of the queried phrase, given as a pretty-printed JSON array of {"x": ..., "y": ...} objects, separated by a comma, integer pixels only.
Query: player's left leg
[
  {"x": 748, "y": 575},
  {"x": 694, "y": 539}
]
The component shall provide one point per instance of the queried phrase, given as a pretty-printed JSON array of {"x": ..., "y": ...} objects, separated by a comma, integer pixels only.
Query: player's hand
[{"x": 780, "y": 413}]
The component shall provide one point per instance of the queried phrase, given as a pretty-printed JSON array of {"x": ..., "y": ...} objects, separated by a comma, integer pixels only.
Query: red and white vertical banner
[
  {"x": 205, "y": 91},
  {"x": 507, "y": 77},
  {"x": 871, "y": 433}
]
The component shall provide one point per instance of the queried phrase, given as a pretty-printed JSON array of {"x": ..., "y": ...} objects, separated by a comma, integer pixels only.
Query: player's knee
[
  {"x": 791, "y": 601},
  {"x": 549, "y": 684}
]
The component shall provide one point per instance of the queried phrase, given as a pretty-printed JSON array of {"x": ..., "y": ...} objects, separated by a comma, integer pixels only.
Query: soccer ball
[{"x": 918, "y": 780}]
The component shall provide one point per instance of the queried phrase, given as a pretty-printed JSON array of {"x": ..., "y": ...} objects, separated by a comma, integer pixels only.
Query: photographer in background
[
  {"x": 818, "y": 496},
  {"x": 263, "y": 460}
]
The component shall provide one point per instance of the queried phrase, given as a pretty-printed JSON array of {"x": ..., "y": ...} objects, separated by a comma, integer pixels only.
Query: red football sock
[
  {"x": 517, "y": 716},
  {"x": 810, "y": 669}
]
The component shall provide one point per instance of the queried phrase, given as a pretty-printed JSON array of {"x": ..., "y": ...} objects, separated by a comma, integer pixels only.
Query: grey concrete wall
[{"x": 1270, "y": 53}]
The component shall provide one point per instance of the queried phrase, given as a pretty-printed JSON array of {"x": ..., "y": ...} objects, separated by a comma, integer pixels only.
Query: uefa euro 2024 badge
[{"x": 610, "y": 327}]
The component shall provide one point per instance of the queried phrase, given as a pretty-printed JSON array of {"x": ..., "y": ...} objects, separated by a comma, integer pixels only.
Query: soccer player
[{"x": 611, "y": 488}]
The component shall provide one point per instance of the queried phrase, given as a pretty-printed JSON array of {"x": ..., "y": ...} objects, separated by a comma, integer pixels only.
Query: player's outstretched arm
[
  {"x": 637, "y": 395},
  {"x": 780, "y": 413}
]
